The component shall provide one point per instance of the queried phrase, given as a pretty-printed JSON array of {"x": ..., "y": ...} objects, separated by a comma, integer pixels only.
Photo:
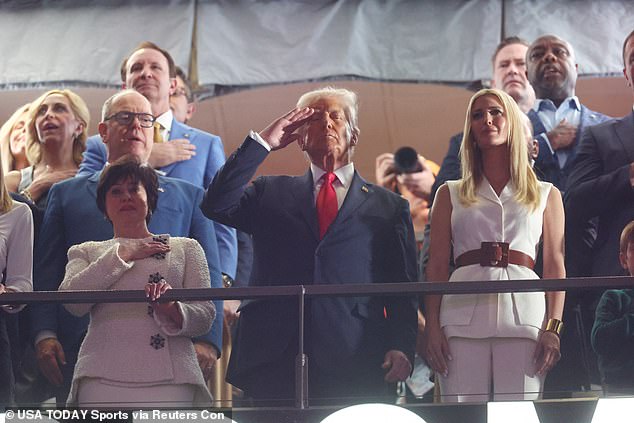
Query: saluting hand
[{"x": 281, "y": 132}]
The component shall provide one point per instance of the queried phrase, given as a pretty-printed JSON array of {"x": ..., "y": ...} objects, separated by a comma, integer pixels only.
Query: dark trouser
[{"x": 6, "y": 371}]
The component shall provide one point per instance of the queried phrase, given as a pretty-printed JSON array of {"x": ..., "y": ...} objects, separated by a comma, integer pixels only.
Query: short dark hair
[
  {"x": 507, "y": 42},
  {"x": 625, "y": 43},
  {"x": 180, "y": 73},
  {"x": 149, "y": 44},
  {"x": 130, "y": 167}
]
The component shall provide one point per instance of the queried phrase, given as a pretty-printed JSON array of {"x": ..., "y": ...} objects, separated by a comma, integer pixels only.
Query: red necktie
[{"x": 326, "y": 203}]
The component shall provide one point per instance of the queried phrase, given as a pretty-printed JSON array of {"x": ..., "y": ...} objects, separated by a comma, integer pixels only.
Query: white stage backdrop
[{"x": 250, "y": 42}]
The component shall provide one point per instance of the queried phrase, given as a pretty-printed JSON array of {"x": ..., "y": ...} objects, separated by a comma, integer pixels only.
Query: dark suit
[
  {"x": 72, "y": 217},
  {"x": 450, "y": 169},
  {"x": 371, "y": 240},
  {"x": 600, "y": 188},
  {"x": 578, "y": 366},
  {"x": 547, "y": 162}
]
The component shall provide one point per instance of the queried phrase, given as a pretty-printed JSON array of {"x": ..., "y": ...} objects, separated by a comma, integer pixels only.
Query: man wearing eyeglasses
[
  {"x": 181, "y": 101},
  {"x": 180, "y": 151},
  {"x": 72, "y": 217}
]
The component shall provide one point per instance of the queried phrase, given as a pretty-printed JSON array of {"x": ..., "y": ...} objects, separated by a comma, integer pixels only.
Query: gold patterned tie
[{"x": 158, "y": 133}]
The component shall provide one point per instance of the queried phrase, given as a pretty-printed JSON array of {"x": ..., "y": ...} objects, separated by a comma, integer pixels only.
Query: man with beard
[{"x": 328, "y": 226}]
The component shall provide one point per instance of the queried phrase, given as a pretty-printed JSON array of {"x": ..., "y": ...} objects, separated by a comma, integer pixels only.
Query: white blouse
[{"x": 16, "y": 250}]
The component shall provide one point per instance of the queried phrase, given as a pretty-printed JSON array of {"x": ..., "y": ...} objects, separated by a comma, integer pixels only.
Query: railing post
[{"x": 301, "y": 361}]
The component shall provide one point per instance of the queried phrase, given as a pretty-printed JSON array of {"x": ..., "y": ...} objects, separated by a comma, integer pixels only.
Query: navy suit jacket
[
  {"x": 450, "y": 169},
  {"x": 547, "y": 162},
  {"x": 199, "y": 170},
  {"x": 371, "y": 240},
  {"x": 72, "y": 217},
  {"x": 600, "y": 188}
]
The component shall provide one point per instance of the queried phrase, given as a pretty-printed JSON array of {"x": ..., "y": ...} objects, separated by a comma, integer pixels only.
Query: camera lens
[{"x": 406, "y": 160}]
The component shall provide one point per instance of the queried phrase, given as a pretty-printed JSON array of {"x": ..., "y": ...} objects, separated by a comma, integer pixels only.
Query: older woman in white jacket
[{"x": 135, "y": 354}]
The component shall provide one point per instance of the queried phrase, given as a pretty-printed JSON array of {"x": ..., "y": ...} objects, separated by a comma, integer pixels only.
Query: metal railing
[{"x": 302, "y": 292}]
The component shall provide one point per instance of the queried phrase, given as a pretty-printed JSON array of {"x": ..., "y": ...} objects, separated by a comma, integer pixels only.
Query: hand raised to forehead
[{"x": 281, "y": 132}]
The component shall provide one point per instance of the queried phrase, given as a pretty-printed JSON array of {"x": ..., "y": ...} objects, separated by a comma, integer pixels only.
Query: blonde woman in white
[{"x": 494, "y": 346}]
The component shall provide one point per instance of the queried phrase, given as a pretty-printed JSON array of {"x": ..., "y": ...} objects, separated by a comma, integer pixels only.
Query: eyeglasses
[
  {"x": 146, "y": 120},
  {"x": 182, "y": 92}
]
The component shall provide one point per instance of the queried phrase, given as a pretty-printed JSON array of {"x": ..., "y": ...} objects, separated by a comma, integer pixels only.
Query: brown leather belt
[{"x": 495, "y": 254}]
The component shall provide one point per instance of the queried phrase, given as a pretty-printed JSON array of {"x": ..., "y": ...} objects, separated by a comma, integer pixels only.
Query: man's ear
[
  {"x": 123, "y": 86},
  {"x": 301, "y": 141},
  {"x": 191, "y": 109},
  {"x": 354, "y": 139},
  {"x": 535, "y": 149},
  {"x": 628, "y": 83},
  {"x": 173, "y": 85},
  {"x": 103, "y": 131}
]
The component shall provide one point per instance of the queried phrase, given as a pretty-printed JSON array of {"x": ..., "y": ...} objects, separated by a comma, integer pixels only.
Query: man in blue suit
[
  {"x": 72, "y": 217},
  {"x": 328, "y": 226},
  {"x": 186, "y": 153}
]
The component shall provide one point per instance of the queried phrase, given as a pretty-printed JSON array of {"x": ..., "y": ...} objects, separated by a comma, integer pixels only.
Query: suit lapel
[
  {"x": 358, "y": 194},
  {"x": 538, "y": 126},
  {"x": 177, "y": 131},
  {"x": 93, "y": 181},
  {"x": 302, "y": 190},
  {"x": 624, "y": 129}
]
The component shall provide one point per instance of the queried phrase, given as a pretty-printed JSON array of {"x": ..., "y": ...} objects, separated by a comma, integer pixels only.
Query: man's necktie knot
[{"x": 158, "y": 133}]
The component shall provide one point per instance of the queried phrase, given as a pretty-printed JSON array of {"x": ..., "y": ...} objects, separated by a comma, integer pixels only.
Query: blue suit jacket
[
  {"x": 546, "y": 162},
  {"x": 199, "y": 170},
  {"x": 600, "y": 188},
  {"x": 72, "y": 217},
  {"x": 371, "y": 240}
]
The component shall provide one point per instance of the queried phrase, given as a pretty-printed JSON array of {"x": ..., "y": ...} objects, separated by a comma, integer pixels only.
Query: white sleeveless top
[{"x": 500, "y": 219}]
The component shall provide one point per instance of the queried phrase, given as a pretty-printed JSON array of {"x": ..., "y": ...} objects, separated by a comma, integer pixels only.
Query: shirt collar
[
  {"x": 166, "y": 120},
  {"x": 572, "y": 102},
  {"x": 344, "y": 174}
]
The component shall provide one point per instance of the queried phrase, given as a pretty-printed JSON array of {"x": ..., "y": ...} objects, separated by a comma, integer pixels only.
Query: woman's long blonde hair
[
  {"x": 5, "y": 138},
  {"x": 523, "y": 178},
  {"x": 82, "y": 114}
]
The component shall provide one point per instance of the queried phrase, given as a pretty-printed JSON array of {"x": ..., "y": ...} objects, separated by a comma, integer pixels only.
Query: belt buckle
[{"x": 494, "y": 254}]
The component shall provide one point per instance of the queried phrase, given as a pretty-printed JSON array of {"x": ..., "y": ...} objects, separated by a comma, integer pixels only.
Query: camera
[{"x": 406, "y": 161}]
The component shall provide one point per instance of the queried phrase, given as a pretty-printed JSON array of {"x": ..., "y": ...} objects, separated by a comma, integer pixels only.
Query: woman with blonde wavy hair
[
  {"x": 16, "y": 265},
  {"x": 56, "y": 140},
  {"x": 494, "y": 346},
  {"x": 13, "y": 140}
]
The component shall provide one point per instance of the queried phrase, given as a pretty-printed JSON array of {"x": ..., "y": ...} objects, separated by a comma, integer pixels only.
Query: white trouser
[
  {"x": 93, "y": 392},
  {"x": 503, "y": 367}
]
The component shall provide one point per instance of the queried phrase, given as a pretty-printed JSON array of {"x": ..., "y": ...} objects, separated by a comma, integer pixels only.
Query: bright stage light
[
  {"x": 373, "y": 413},
  {"x": 511, "y": 411},
  {"x": 613, "y": 410}
]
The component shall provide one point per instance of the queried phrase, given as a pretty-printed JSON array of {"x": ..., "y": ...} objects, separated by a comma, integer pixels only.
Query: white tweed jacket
[{"x": 128, "y": 343}]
